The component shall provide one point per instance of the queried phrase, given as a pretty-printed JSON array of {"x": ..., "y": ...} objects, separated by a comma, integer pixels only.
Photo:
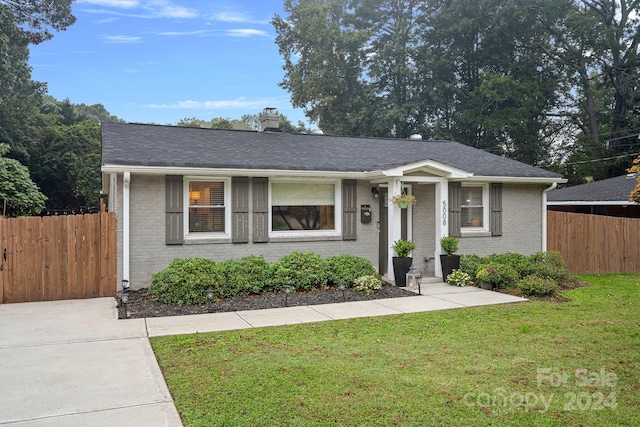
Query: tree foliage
[
  {"x": 38, "y": 17},
  {"x": 19, "y": 195},
  {"x": 20, "y": 118},
  {"x": 246, "y": 122},
  {"x": 541, "y": 81},
  {"x": 635, "y": 193},
  {"x": 66, "y": 165}
]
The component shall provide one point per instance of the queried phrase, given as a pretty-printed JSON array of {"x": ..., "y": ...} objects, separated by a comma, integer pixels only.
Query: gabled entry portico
[{"x": 426, "y": 222}]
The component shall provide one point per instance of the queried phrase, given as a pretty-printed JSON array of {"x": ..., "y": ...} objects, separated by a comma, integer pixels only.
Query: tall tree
[
  {"x": 20, "y": 97},
  {"x": 66, "y": 165},
  {"x": 19, "y": 195},
  {"x": 595, "y": 43},
  {"x": 324, "y": 59},
  {"x": 38, "y": 17}
]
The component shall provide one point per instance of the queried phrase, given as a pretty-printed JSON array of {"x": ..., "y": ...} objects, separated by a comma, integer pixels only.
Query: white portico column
[
  {"x": 394, "y": 228},
  {"x": 442, "y": 220}
]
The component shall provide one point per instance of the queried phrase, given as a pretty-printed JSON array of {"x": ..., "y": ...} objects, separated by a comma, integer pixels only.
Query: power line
[{"x": 602, "y": 159}]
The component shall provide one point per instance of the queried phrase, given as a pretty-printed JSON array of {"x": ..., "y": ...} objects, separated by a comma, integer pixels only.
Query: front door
[{"x": 383, "y": 228}]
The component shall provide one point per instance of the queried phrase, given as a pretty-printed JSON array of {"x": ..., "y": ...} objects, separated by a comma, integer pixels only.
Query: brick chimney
[{"x": 270, "y": 120}]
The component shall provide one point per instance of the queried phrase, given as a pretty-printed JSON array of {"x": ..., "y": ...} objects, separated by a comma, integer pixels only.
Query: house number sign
[{"x": 444, "y": 213}]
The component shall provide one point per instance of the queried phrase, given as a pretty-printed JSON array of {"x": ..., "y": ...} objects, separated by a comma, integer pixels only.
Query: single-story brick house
[
  {"x": 608, "y": 197},
  {"x": 187, "y": 192}
]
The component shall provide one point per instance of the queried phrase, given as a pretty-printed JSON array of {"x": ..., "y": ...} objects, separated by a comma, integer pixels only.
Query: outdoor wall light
[
  {"x": 341, "y": 286},
  {"x": 125, "y": 285},
  {"x": 374, "y": 192},
  {"x": 287, "y": 291}
]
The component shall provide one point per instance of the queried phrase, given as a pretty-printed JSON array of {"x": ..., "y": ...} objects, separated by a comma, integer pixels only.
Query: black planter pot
[
  {"x": 449, "y": 263},
  {"x": 400, "y": 269}
]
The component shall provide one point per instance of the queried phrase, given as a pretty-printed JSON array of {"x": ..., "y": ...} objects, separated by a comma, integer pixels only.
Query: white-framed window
[
  {"x": 305, "y": 208},
  {"x": 207, "y": 212},
  {"x": 474, "y": 205}
]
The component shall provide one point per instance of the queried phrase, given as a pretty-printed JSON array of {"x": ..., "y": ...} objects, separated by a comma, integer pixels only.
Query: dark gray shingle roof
[
  {"x": 612, "y": 189},
  {"x": 173, "y": 146}
]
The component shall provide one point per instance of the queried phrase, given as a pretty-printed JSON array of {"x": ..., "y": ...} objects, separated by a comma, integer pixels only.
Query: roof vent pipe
[{"x": 415, "y": 137}]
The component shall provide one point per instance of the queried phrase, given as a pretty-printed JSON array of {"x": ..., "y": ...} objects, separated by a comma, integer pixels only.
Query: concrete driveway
[{"x": 72, "y": 363}]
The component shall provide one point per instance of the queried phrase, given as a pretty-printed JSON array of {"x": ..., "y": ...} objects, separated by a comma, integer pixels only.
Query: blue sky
[{"x": 158, "y": 61}]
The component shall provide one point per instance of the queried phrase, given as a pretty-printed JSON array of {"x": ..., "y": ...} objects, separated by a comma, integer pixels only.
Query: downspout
[
  {"x": 126, "y": 180},
  {"x": 544, "y": 214}
]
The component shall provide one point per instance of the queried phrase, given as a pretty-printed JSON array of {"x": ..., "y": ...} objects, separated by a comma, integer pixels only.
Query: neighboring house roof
[
  {"x": 183, "y": 147},
  {"x": 607, "y": 191}
]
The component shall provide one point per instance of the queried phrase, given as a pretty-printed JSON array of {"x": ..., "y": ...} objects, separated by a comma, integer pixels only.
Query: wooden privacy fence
[
  {"x": 57, "y": 257},
  {"x": 595, "y": 244}
]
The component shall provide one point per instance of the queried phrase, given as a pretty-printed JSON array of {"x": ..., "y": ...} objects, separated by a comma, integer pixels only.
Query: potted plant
[
  {"x": 488, "y": 278},
  {"x": 404, "y": 200},
  {"x": 449, "y": 260},
  {"x": 402, "y": 262}
]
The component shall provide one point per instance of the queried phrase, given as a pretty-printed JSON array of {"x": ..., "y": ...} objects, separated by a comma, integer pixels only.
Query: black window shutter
[
  {"x": 174, "y": 212},
  {"x": 455, "y": 209},
  {"x": 260, "y": 210},
  {"x": 495, "y": 201},
  {"x": 240, "y": 209},
  {"x": 349, "y": 209}
]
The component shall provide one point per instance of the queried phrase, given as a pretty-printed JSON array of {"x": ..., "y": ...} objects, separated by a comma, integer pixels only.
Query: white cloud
[
  {"x": 230, "y": 17},
  {"x": 184, "y": 33},
  {"x": 112, "y": 3},
  {"x": 165, "y": 9},
  {"x": 146, "y": 9},
  {"x": 246, "y": 32},
  {"x": 241, "y": 102},
  {"x": 123, "y": 39}
]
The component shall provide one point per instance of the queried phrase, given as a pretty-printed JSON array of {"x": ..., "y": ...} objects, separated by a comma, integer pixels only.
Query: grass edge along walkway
[{"x": 535, "y": 363}]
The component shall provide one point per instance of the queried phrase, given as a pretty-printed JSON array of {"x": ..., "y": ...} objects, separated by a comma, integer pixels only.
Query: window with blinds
[
  {"x": 206, "y": 207},
  {"x": 296, "y": 206},
  {"x": 472, "y": 207}
]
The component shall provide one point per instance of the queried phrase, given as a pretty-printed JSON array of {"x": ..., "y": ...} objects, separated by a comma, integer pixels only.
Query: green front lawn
[{"x": 535, "y": 363}]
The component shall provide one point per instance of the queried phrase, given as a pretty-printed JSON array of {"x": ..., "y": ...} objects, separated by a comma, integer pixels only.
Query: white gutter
[
  {"x": 192, "y": 171},
  {"x": 544, "y": 214},
  {"x": 380, "y": 176},
  {"x": 594, "y": 203},
  {"x": 126, "y": 180}
]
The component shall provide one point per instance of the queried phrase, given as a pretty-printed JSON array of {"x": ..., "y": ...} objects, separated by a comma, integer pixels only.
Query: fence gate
[{"x": 57, "y": 257}]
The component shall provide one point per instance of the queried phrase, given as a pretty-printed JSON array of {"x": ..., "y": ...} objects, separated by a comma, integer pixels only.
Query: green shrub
[
  {"x": 547, "y": 264},
  {"x": 248, "y": 275},
  {"x": 449, "y": 244},
  {"x": 537, "y": 286},
  {"x": 367, "y": 284},
  {"x": 347, "y": 268},
  {"x": 186, "y": 280},
  {"x": 458, "y": 278},
  {"x": 300, "y": 270},
  {"x": 501, "y": 275},
  {"x": 469, "y": 263},
  {"x": 521, "y": 263},
  {"x": 403, "y": 248}
]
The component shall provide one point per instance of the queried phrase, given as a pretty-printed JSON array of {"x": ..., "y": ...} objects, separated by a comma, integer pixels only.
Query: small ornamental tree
[
  {"x": 18, "y": 192},
  {"x": 635, "y": 193}
]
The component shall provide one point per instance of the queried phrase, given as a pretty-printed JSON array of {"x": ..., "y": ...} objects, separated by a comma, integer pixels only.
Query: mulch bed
[{"x": 142, "y": 305}]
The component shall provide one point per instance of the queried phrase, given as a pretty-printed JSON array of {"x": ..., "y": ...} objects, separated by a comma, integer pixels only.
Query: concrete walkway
[
  {"x": 435, "y": 296},
  {"x": 72, "y": 363}
]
